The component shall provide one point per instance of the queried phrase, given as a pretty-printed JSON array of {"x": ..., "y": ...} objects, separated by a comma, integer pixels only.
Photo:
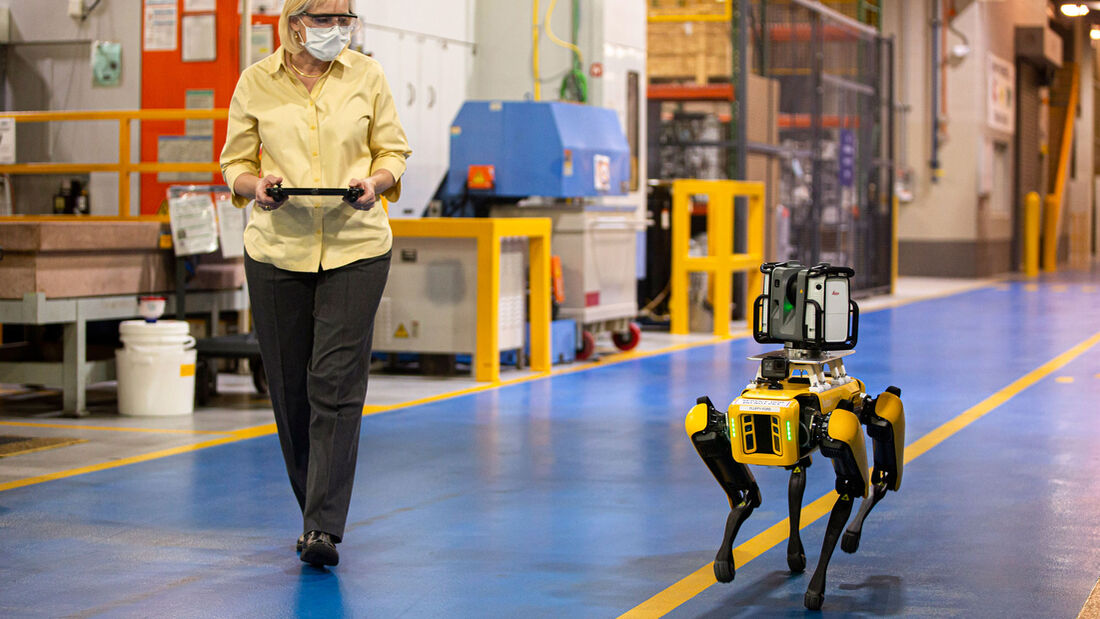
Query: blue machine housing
[{"x": 538, "y": 149}]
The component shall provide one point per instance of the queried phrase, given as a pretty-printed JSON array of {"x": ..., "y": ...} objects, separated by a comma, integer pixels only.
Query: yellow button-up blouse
[{"x": 346, "y": 128}]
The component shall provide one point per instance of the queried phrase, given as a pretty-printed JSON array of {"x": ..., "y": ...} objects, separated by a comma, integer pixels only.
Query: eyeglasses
[{"x": 328, "y": 20}]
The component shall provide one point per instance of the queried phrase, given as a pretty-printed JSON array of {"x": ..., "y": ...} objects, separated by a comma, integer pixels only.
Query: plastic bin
[{"x": 156, "y": 368}]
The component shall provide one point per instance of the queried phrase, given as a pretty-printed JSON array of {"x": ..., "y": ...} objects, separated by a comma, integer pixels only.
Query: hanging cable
[
  {"x": 535, "y": 48},
  {"x": 88, "y": 11},
  {"x": 575, "y": 86}
]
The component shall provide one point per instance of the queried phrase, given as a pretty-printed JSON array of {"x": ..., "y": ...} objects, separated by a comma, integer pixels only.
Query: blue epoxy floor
[{"x": 580, "y": 496}]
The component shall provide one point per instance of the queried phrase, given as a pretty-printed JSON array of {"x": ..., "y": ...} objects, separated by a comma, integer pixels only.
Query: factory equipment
[
  {"x": 557, "y": 160},
  {"x": 430, "y": 302}
]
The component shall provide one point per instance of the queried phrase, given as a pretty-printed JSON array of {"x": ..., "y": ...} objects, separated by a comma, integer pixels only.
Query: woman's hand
[
  {"x": 263, "y": 200},
  {"x": 370, "y": 195}
]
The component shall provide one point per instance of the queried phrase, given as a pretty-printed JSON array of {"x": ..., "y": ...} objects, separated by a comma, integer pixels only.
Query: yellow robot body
[{"x": 769, "y": 427}]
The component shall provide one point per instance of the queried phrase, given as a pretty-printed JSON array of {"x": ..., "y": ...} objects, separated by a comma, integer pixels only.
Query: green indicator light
[
  {"x": 787, "y": 307},
  {"x": 789, "y": 431},
  {"x": 732, "y": 427}
]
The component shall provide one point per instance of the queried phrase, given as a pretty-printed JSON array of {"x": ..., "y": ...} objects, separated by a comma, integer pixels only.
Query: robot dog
[{"x": 802, "y": 400}]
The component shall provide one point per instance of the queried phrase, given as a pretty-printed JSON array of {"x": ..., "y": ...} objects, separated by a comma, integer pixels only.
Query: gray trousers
[{"x": 315, "y": 334}]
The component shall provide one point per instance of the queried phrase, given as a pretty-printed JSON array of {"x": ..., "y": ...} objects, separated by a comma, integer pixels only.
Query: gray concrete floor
[{"x": 238, "y": 412}]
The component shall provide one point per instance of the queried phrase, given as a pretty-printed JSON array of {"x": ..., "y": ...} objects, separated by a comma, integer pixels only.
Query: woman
[{"x": 324, "y": 117}]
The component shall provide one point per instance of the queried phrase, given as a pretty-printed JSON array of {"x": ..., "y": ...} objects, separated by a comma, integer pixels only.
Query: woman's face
[{"x": 299, "y": 22}]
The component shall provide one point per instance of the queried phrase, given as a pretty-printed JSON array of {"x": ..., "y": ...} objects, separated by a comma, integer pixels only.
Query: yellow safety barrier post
[
  {"x": 1032, "y": 213},
  {"x": 1052, "y": 218},
  {"x": 721, "y": 263},
  {"x": 488, "y": 233},
  {"x": 125, "y": 167}
]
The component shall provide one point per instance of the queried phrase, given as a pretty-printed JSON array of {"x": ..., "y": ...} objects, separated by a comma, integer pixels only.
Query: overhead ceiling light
[
  {"x": 1094, "y": 34},
  {"x": 1075, "y": 10}
]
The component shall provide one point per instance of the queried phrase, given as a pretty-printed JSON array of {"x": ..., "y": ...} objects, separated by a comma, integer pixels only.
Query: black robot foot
[
  {"x": 724, "y": 571},
  {"x": 850, "y": 542},
  {"x": 813, "y": 601},
  {"x": 797, "y": 563}
]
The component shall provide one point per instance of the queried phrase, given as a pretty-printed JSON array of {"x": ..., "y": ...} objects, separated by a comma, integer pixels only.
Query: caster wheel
[
  {"x": 724, "y": 571},
  {"x": 206, "y": 381},
  {"x": 588, "y": 346},
  {"x": 850, "y": 542},
  {"x": 813, "y": 601},
  {"x": 797, "y": 563},
  {"x": 259, "y": 378},
  {"x": 628, "y": 339}
]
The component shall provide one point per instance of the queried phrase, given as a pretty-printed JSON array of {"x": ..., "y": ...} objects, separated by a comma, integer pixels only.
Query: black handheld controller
[{"x": 279, "y": 193}]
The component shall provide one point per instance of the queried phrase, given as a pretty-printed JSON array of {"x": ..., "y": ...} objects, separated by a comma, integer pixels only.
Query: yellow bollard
[{"x": 1032, "y": 214}]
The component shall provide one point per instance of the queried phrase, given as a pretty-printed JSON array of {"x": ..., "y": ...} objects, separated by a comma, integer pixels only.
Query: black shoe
[
  {"x": 301, "y": 540},
  {"x": 318, "y": 549}
]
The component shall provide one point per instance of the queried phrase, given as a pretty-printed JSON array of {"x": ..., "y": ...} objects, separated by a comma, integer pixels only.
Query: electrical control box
[{"x": 806, "y": 307}]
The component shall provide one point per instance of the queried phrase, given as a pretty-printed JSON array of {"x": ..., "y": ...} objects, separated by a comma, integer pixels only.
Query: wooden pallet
[{"x": 692, "y": 51}]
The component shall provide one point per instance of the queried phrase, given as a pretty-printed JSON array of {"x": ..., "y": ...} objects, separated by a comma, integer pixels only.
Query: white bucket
[{"x": 156, "y": 368}]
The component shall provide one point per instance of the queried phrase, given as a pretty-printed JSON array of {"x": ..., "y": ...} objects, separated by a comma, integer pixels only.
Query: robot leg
[
  {"x": 886, "y": 427},
  {"x": 707, "y": 428},
  {"x": 796, "y": 556},
  {"x": 845, "y": 447}
]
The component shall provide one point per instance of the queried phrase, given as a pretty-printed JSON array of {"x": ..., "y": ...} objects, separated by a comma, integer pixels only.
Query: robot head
[{"x": 806, "y": 307}]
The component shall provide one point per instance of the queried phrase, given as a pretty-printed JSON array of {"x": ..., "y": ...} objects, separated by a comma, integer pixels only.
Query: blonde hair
[{"x": 293, "y": 8}]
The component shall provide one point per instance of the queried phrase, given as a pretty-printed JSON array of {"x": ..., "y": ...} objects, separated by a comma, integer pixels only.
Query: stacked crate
[{"x": 689, "y": 51}]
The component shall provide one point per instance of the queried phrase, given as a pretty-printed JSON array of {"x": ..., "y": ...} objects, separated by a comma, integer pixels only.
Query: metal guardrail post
[
  {"x": 488, "y": 232},
  {"x": 720, "y": 262}
]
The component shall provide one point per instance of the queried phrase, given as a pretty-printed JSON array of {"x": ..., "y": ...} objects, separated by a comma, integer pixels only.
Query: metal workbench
[{"x": 75, "y": 372}]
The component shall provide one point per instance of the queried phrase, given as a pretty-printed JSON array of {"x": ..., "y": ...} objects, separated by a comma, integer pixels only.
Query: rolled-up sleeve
[
  {"x": 389, "y": 147},
  {"x": 242, "y": 142}
]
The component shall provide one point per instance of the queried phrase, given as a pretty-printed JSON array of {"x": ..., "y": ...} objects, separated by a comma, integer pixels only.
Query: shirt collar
[{"x": 277, "y": 61}]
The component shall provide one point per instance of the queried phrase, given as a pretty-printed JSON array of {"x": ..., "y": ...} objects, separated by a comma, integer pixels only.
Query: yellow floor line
[
  {"x": 19, "y": 483},
  {"x": 269, "y": 429},
  {"x": 65, "y": 443},
  {"x": 27, "y": 424},
  {"x": 1091, "y": 609},
  {"x": 695, "y": 583}
]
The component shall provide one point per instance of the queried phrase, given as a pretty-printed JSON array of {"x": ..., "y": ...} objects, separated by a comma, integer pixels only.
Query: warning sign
[
  {"x": 401, "y": 332},
  {"x": 602, "y": 165}
]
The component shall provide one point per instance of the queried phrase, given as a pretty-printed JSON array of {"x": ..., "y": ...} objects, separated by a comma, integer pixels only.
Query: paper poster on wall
[
  {"x": 199, "y": 100},
  {"x": 194, "y": 224},
  {"x": 161, "y": 21},
  {"x": 184, "y": 149},
  {"x": 230, "y": 227},
  {"x": 262, "y": 7},
  {"x": 263, "y": 41},
  {"x": 198, "y": 6},
  {"x": 7, "y": 140},
  {"x": 1001, "y": 98},
  {"x": 200, "y": 42}
]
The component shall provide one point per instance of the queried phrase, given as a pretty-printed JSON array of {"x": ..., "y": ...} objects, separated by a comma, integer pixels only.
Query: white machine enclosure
[
  {"x": 598, "y": 240},
  {"x": 831, "y": 293},
  {"x": 430, "y": 301}
]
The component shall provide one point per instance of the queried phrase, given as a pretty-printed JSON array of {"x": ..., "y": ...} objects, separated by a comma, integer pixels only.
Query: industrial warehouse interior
[{"x": 561, "y": 308}]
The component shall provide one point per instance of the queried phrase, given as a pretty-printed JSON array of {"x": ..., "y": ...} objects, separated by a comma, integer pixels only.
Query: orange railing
[
  {"x": 1052, "y": 214},
  {"x": 125, "y": 166}
]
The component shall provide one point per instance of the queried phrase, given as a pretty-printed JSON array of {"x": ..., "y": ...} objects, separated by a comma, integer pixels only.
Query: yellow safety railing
[
  {"x": 125, "y": 166},
  {"x": 488, "y": 233},
  {"x": 721, "y": 263},
  {"x": 725, "y": 16},
  {"x": 1052, "y": 218}
]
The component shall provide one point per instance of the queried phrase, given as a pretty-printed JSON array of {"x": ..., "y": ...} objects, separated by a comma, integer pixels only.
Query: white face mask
[{"x": 325, "y": 44}]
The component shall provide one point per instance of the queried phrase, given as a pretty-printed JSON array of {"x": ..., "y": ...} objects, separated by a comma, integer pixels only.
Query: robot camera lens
[{"x": 774, "y": 369}]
